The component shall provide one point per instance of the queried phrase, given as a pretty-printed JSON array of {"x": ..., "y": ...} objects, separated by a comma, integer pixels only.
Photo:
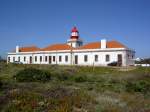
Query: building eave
[{"x": 73, "y": 50}]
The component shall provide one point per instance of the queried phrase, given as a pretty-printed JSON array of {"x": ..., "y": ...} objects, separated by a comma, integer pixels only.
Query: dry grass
[{"x": 76, "y": 89}]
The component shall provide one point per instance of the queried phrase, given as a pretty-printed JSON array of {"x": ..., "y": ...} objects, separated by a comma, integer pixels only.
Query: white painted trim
[{"x": 73, "y": 50}]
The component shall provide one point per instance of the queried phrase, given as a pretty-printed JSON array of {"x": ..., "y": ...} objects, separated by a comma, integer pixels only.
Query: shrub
[
  {"x": 32, "y": 74},
  {"x": 1, "y": 83},
  {"x": 61, "y": 75},
  {"x": 138, "y": 86},
  {"x": 80, "y": 78}
]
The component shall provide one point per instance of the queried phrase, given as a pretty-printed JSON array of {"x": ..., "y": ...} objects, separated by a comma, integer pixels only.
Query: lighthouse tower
[{"x": 74, "y": 40}]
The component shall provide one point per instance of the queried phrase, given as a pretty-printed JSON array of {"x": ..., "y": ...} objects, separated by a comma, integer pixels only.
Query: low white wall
[
  {"x": 143, "y": 65},
  {"x": 91, "y": 57}
]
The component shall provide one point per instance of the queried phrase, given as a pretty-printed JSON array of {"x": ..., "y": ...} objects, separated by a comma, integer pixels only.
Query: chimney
[
  {"x": 103, "y": 44},
  {"x": 17, "y": 49}
]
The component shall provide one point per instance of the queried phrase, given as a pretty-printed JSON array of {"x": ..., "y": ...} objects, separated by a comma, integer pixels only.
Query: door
[
  {"x": 76, "y": 59},
  {"x": 119, "y": 60},
  {"x": 50, "y": 59},
  {"x": 30, "y": 59}
]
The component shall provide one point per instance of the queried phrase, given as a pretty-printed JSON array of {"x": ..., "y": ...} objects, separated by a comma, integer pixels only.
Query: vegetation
[
  {"x": 2, "y": 60},
  {"x": 0, "y": 84},
  {"x": 32, "y": 74},
  {"x": 52, "y": 88},
  {"x": 139, "y": 86}
]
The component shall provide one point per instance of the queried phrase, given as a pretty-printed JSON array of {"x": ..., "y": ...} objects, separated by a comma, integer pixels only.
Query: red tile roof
[
  {"x": 57, "y": 47},
  {"x": 97, "y": 45},
  {"x": 115, "y": 44},
  {"x": 29, "y": 49},
  {"x": 93, "y": 45}
]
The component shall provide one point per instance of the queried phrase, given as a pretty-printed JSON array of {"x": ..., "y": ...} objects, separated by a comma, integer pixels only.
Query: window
[
  {"x": 76, "y": 59},
  {"x": 119, "y": 61},
  {"x": 24, "y": 59},
  {"x": 13, "y": 59},
  {"x": 132, "y": 56},
  {"x": 30, "y": 60},
  {"x": 66, "y": 58},
  {"x": 128, "y": 56},
  {"x": 107, "y": 58},
  {"x": 8, "y": 59},
  {"x": 85, "y": 58},
  {"x": 50, "y": 59},
  {"x": 40, "y": 58},
  {"x": 19, "y": 59},
  {"x": 59, "y": 58},
  {"x": 35, "y": 58},
  {"x": 53, "y": 58},
  {"x": 45, "y": 58},
  {"x": 96, "y": 58}
]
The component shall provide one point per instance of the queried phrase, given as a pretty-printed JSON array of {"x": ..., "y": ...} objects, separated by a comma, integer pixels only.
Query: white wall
[
  {"x": 130, "y": 57},
  {"x": 91, "y": 57},
  {"x": 101, "y": 58},
  {"x": 21, "y": 58}
]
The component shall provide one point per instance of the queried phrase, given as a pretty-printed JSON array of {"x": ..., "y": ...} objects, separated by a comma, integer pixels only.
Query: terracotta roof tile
[
  {"x": 115, "y": 44},
  {"x": 97, "y": 45},
  {"x": 57, "y": 47},
  {"x": 93, "y": 45},
  {"x": 29, "y": 49}
]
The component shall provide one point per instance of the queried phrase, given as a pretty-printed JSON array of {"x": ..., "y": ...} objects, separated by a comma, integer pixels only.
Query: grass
[{"x": 75, "y": 89}]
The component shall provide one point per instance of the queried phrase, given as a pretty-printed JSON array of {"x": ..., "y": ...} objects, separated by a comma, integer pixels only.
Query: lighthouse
[
  {"x": 74, "y": 40},
  {"x": 74, "y": 33}
]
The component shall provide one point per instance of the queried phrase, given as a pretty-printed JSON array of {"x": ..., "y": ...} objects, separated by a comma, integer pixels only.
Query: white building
[{"x": 74, "y": 52}]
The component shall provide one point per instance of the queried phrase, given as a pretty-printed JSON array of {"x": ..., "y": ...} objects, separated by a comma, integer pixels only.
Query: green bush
[
  {"x": 1, "y": 83},
  {"x": 32, "y": 74},
  {"x": 61, "y": 75},
  {"x": 138, "y": 86},
  {"x": 80, "y": 79}
]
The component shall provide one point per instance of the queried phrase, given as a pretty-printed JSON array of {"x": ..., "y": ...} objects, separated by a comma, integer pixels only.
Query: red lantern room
[{"x": 74, "y": 33}]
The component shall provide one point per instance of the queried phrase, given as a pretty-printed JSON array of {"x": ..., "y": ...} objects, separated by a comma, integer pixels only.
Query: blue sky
[{"x": 44, "y": 22}]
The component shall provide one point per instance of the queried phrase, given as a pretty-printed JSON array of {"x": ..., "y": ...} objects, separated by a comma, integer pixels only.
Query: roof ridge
[
  {"x": 29, "y": 46},
  {"x": 55, "y": 44}
]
